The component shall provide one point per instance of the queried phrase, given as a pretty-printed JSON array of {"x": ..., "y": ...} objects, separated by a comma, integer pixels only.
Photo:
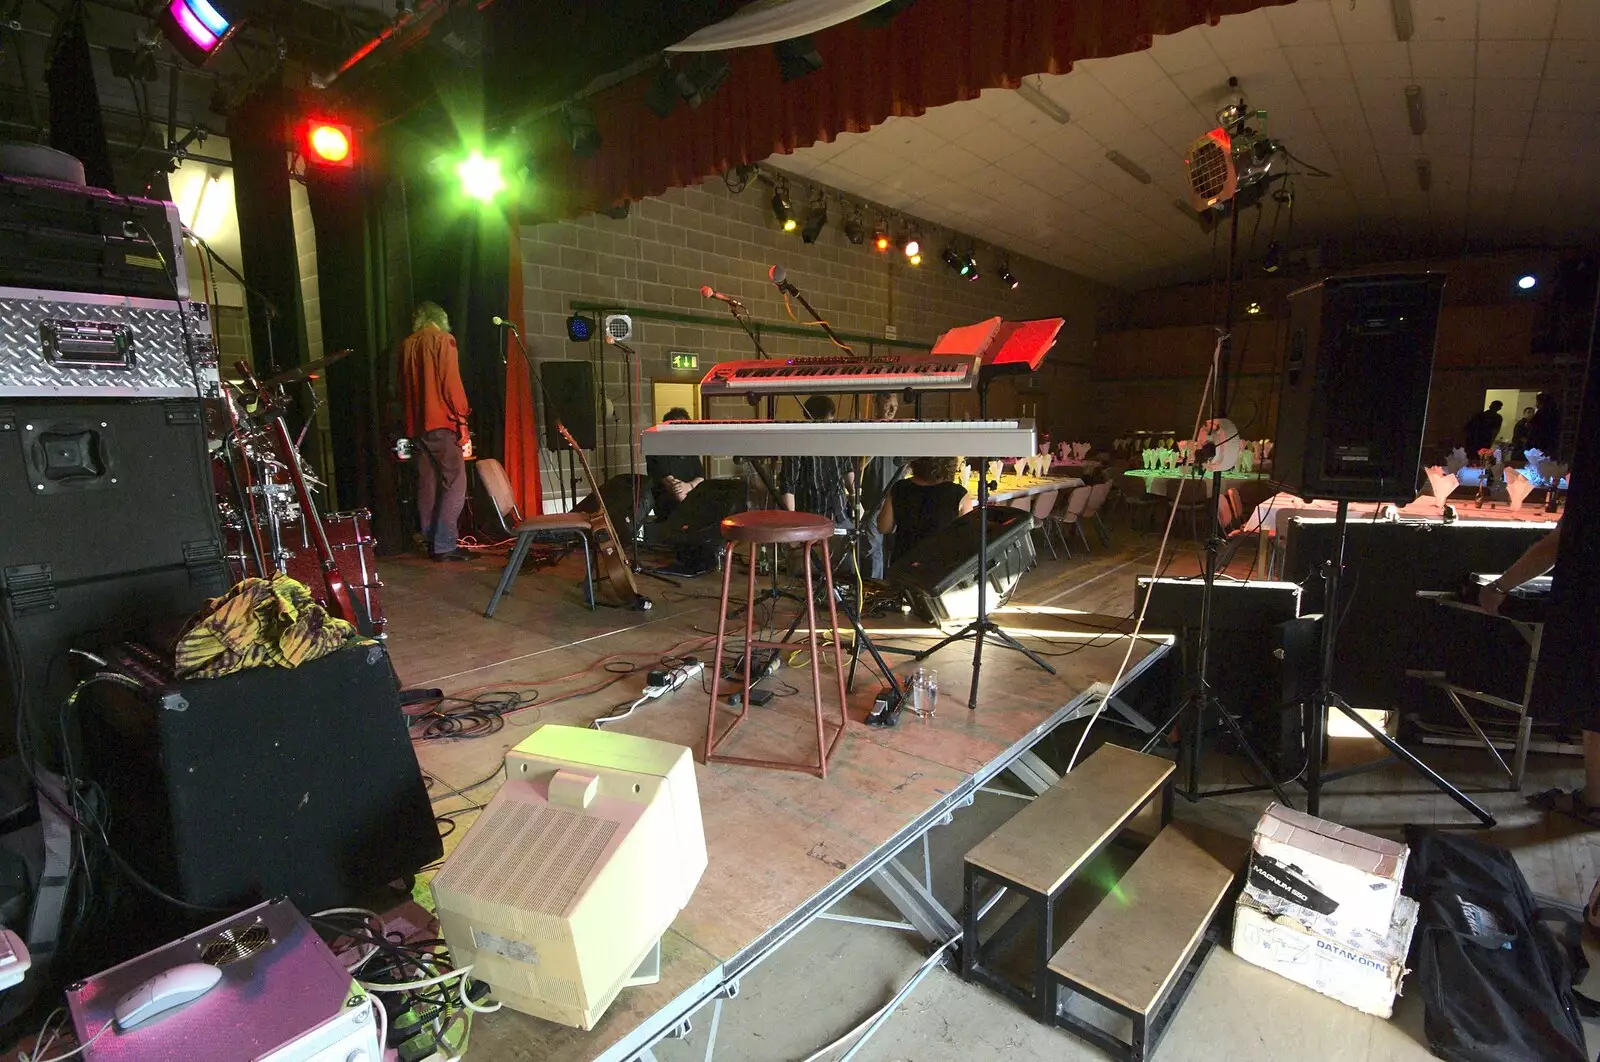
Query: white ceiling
[{"x": 1511, "y": 90}]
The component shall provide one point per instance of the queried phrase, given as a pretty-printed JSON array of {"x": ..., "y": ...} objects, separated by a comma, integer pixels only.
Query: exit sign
[{"x": 685, "y": 361}]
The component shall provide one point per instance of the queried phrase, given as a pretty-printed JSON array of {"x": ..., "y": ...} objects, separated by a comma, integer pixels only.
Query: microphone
[
  {"x": 780, "y": 278},
  {"x": 501, "y": 322},
  {"x": 708, "y": 292}
]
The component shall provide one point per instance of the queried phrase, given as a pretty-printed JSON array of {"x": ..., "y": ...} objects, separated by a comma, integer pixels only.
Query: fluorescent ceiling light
[
  {"x": 1414, "y": 110},
  {"x": 1404, "y": 25},
  {"x": 1035, "y": 95},
  {"x": 1128, "y": 166}
]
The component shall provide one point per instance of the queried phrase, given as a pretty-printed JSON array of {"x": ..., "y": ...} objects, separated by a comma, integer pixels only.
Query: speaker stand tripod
[
  {"x": 983, "y": 626},
  {"x": 1325, "y": 698},
  {"x": 1201, "y": 702}
]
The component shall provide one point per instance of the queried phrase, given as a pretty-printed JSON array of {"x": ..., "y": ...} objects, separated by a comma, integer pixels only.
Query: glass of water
[{"x": 924, "y": 691}]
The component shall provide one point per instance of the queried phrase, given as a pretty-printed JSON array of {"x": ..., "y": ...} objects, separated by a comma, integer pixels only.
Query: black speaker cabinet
[
  {"x": 110, "y": 520},
  {"x": 1355, "y": 389},
  {"x": 1244, "y": 669},
  {"x": 568, "y": 396},
  {"x": 299, "y": 782},
  {"x": 940, "y": 575}
]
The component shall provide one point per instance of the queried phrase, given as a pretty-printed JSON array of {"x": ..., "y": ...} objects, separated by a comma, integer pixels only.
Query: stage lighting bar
[
  {"x": 854, "y": 225},
  {"x": 196, "y": 29},
  {"x": 881, "y": 239}
]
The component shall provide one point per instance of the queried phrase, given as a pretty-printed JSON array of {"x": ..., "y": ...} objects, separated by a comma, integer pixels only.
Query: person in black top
[
  {"x": 878, "y": 475},
  {"x": 672, "y": 477},
  {"x": 1483, "y": 428},
  {"x": 1519, "y": 434},
  {"x": 921, "y": 505},
  {"x": 820, "y": 485},
  {"x": 1544, "y": 429}
]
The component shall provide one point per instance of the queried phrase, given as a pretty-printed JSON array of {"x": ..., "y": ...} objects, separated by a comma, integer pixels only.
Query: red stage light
[{"x": 330, "y": 144}]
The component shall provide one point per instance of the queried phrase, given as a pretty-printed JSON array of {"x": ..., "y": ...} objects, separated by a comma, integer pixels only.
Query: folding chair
[{"x": 548, "y": 526}]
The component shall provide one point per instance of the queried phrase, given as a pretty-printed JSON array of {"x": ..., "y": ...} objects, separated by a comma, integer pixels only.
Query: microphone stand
[
  {"x": 630, "y": 363},
  {"x": 789, "y": 289}
]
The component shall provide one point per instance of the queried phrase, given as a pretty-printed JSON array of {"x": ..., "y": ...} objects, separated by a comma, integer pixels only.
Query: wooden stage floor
[{"x": 782, "y": 845}]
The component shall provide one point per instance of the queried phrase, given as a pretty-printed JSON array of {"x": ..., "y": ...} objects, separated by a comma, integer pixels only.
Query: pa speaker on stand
[{"x": 1355, "y": 399}]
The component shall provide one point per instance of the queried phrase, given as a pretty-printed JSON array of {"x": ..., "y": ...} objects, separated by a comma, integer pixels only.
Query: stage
[{"x": 784, "y": 847}]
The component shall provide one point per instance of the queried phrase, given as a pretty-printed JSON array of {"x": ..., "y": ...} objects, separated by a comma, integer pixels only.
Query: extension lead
[{"x": 658, "y": 684}]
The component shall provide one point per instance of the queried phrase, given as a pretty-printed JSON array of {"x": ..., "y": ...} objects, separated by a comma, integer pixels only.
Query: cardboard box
[
  {"x": 1336, "y": 881},
  {"x": 1367, "y": 981}
]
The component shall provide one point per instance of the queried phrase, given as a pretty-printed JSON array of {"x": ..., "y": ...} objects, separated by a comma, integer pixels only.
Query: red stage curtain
[
  {"x": 522, "y": 431},
  {"x": 936, "y": 52}
]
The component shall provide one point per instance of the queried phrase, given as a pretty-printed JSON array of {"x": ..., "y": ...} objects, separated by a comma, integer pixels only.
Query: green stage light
[{"x": 481, "y": 177}]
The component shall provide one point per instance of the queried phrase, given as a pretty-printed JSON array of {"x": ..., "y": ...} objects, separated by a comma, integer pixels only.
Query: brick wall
[{"x": 657, "y": 258}]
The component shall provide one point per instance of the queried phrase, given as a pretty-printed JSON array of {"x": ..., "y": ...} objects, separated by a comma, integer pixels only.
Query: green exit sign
[{"x": 681, "y": 360}]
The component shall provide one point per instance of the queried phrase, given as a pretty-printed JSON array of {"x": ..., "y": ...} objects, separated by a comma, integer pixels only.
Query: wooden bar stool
[{"x": 776, "y": 527}]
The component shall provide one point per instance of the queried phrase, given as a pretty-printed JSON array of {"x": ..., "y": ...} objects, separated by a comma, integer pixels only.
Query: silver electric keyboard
[
  {"x": 843, "y": 374},
  {"x": 841, "y": 438}
]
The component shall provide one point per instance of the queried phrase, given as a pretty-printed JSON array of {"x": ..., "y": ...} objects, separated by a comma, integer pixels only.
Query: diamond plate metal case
[{"x": 60, "y": 344}]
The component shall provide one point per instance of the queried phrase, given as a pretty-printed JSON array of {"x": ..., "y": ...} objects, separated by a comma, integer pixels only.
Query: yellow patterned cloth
[{"x": 259, "y": 623}]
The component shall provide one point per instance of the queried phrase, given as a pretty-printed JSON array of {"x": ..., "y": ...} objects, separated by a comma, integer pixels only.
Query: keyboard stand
[{"x": 983, "y": 626}]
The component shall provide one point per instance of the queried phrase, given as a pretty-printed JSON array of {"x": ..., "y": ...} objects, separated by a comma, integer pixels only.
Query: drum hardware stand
[
  {"x": 1325, "y": 698},
  {"x": 983, "y": 626}
]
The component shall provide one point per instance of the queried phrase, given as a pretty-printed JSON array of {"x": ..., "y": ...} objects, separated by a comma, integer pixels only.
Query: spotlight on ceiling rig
[
  {"x": 1007, "y": 277},
  {"x": 583, "y": 136},
  {"x": 854, "y": 225},
  {"x": 1527, "y": 282},
  {"x": 816, "y": 218},
  {"x": 880, "y": 235},
  {"x": 196, "y": 29},
  {"x": 797, "y": 57},
  {"x": 480, "y": 177},
  {"x": 782, "y": 211},
  {"x": 1230, "y": 159},
  {"x": 912, "y": 248}
]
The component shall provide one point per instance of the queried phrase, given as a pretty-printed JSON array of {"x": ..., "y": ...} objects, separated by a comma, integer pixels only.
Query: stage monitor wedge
[{"x": 1359, "y": 367}]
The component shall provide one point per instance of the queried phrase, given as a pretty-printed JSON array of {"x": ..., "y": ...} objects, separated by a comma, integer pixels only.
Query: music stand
[{"x": 1013, "y": 347}]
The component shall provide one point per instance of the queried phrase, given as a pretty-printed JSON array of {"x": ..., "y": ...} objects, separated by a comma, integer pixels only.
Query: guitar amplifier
[
  {"x": 297, "y": 782},
  {"x": 940, "y": 575}
]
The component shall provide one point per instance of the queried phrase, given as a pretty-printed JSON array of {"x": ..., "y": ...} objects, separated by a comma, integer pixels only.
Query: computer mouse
[{"x": 168, "y": 989}]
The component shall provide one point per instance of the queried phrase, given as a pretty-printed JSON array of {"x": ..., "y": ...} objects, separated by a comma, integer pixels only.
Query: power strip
[{"x": 661, "y": 683}]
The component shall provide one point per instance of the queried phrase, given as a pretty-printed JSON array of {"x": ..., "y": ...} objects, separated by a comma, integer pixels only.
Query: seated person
[
  {"x": 820, "y": 485},
  {"x": 926, "y": 502},
  {"x": 672, "y": 477}
]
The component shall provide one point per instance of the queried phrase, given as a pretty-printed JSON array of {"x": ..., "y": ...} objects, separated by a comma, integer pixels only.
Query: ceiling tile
[
  {"x": 1578, "y": 20},
  {"x": 1503, "y": 59},
  {"x": 1259, "y": 69},
  {"x": 1108, "y": 123},
  {"x": 1079, "y": 93},
  {"x": 1178, "y": 52},
  {"x": 1508, "y": 97},
  {"x": 1207, "y": 86},
  {"x": 1157, "y": 101},
  {"x": 1336, "y": 94},
  {"x": 909, "y": 139},
  {"x": 1520, "y": 20},
  {"x": 1575, "y": 60},
  {"x": 1179, "y": 130},
  {"x": 1246, "y": 34},
  {"x": 1304, "y": 24},
  {"x": 1560, "y": 95},
  {"x": 1449, "y": 20},
  {"x": 1452, "y": 59},
  {"x": 1568, "y": 124},
  {"x": 1441, "y": 93},
  {"x": 1031, "y": 163},
  {"x": 1124, "y": 74},
  {"x": 954, "y": 120},
  {"x": 1364, "y": 23},
  {"x": 1315, "y": 61},
  {"x": 1378, "y": 59}
]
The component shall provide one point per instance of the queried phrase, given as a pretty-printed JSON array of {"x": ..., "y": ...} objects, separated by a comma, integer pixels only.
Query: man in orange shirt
[{"x": 436, "y": 418}]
